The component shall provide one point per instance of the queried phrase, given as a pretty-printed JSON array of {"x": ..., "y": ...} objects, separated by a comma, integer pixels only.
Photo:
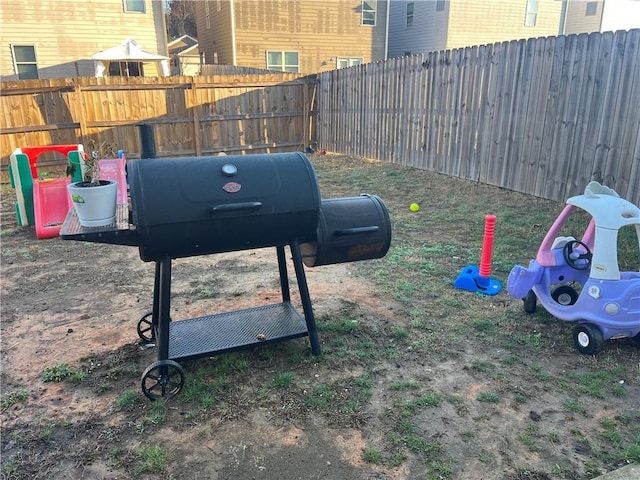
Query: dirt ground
[{"x": 79, "y": 303}]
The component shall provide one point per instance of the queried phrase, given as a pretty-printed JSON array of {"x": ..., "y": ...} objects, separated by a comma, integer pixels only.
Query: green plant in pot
[{"x": 94, "y": 200}]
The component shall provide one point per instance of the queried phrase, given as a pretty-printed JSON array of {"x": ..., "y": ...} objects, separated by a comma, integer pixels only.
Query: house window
[
  {"x": 26, "y": 65},
  {"x": 125, "y": 69},
  {"x": 410, "y": 14},
  {"x": 592, "y": 9},
  {"x": 283, "y": 61},
  {"x": 439, "y": 5},
  {"x": 207, "y": 14},
  {"x": 134, "y": 6},
  {"x": 368, "y": 12},
  {"x": 343, "y": 62},
  {"x": 531, "y": 13}
]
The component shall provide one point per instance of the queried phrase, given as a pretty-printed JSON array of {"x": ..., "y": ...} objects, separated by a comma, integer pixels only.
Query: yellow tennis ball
[{"x": 414, "y": 207}]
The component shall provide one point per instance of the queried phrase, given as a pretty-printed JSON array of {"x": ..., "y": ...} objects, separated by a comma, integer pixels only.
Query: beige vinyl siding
[
  {"x": 577, "y": 21},
  {"x": 67, "y": 33},
  {"x": 380, "y": 33},
  {"x": 320, "y": 31},
  {"x": 428, "y": 33},
  {"x": 217, "y": 38},
  {"x": 159, "y": 29},
  {"x": 465, "y": 23},
  {"x": 489, "y": 21}
]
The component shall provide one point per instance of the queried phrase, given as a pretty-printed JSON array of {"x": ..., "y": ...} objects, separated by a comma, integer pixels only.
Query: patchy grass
[
  {"x": 60, "y": 372},
  {"x": 415, "y": 376},
  {"x": 12, "y": 398},
  {"x": 152, "y": 459}
]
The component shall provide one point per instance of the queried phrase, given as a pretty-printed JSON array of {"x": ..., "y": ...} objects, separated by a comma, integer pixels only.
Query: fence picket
[{"x": 602, "y": 171}]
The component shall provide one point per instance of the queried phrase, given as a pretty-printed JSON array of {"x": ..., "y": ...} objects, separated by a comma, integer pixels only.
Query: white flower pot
[{"x": 95, "y": 206}]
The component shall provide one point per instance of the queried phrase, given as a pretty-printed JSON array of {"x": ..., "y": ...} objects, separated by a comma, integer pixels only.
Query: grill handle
[
  {"x": 356, "y": 230},
  {"x": 234, "y": 207}
]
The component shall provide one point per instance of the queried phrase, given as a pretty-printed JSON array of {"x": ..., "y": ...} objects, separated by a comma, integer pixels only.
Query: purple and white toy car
[{"x": 580, "y": 280}]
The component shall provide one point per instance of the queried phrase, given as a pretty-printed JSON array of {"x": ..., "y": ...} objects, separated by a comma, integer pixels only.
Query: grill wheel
[
  {"x": 145, "y": 327},
  {"x": 163, "y": 379}
]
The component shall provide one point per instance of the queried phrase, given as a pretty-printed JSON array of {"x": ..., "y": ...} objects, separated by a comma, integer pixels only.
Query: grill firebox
[{"x": 182, "y": 207}]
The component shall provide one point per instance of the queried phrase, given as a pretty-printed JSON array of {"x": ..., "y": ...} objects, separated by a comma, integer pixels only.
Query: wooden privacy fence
[
  {"x": 541, "y": 116},
  {"x": 189, "y": 115}
]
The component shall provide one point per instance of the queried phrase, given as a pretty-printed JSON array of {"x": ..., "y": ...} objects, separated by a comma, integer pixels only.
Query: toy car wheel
[
  {"x": 636, "y": 340},
  {"x": 588, "y": 339},
  {"x": 162, "y": 379},
  {"x": 565, "y": 295},
  {"x": 530, "y": 302}
]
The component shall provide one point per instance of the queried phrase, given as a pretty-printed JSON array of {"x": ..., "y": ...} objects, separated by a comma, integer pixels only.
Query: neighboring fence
[
  {"x": 190, "y": 115},
  {"x": 542, "y": 116},
  {"x": 218, "y": 69}
]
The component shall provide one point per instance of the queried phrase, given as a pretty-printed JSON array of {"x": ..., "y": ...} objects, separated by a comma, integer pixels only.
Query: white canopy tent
[{"x": 129, "y": 51}]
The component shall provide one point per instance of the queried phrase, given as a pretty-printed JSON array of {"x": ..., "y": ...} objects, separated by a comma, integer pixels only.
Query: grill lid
[
  {"x": 200, "y": 205},
  {"x": 190, "y": 189}
]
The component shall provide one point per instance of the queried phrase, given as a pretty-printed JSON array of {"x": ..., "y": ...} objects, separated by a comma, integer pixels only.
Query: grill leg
[
  {"x": 284, "y": 278},
  {"x": 156, "y": 301},
  {"x": 306, "y": 299},
  {"x": 164, "y": 306}
]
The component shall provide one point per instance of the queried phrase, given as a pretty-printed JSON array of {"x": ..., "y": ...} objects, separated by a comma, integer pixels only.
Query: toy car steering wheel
[{"x": 576, "y": 258}]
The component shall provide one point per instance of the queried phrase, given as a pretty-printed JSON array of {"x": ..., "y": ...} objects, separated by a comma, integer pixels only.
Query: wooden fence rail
[
  {"x": 190, "y": 115},
  {"x": 541, "y": 116}
]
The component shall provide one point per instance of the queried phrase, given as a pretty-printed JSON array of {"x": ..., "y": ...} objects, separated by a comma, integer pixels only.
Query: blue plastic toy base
[{"x": 469, "y": 279}]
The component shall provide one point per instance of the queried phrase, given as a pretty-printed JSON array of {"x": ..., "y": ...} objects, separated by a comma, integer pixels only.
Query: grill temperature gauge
[{"x": 229, "y": 170}]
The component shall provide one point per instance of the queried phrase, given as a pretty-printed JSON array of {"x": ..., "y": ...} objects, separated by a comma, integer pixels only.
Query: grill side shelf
[
  {"x": 240, "y": 329},
  {"x": 122, "y": 232}
]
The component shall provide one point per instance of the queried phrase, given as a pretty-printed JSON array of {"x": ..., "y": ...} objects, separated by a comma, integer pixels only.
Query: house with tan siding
[
  {"x": 185, "y": 56},
  {"x": 422, "y": 26},
  {"x": 56, "y": 38},
  {"x": 601, "y": 16},
  {"x": 304, "y": 36}
]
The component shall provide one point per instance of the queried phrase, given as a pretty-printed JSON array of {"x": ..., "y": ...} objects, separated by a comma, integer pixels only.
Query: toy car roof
[{"x": 606, "y": 207}]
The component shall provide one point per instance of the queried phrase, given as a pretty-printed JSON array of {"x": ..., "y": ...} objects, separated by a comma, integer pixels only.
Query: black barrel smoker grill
[{"x": 182, "y": 207}]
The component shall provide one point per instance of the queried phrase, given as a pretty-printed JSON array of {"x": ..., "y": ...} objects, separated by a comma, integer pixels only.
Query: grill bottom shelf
[{"x": 226, "y": 332}]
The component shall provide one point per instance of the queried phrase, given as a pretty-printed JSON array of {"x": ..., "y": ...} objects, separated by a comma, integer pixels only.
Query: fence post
[
  {"x": 77, "y": 90},
  {"x": 306, "y": 111},
  {"x": 196, "y": 119}
]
